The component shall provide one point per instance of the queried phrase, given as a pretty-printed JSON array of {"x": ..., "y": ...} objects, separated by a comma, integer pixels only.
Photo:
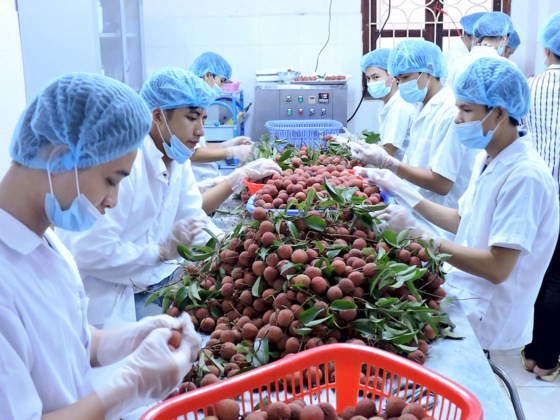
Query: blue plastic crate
[{"x": 303, "y": 133}]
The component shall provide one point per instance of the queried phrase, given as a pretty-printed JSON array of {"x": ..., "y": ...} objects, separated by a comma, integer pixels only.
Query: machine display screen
[{"x": 324, "y": 98}]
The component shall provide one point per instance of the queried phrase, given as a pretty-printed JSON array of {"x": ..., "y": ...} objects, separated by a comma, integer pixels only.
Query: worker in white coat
[
  {"x": 541, "y": 355},
  {"x": 463, "y": 45},
  {"x": 438, "y": 167},
  {"x": 491, "y": 32},
  {"x": 512, "y": 44},
  {"x": 507, "y": 221},
  {"x": 397, "y": 115},
  {"x": 132, "y": 252},
  {"x": 215, "y": 71},
  {"x": 72, "y": 146}
]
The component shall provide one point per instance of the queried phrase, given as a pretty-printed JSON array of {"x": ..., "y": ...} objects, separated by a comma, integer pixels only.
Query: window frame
[{"x": 371, "y": 32}]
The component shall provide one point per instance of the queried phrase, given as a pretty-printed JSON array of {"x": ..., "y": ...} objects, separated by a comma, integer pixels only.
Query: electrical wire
[
  {"x": 328, "y": 37},
  {"x": 364, "y": 90}
]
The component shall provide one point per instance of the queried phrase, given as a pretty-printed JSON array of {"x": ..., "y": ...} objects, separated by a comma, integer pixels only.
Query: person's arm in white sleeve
[
  {"x": 396, "y": 127},
  {"x": 444, "y": 217},
  {"x": 238, "y": 147},
  {"x": 254, "y": 170}
]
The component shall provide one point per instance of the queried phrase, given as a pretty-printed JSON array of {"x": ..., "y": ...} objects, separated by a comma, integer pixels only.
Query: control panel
[
  {"x": 298, "y": 102},
  {"x": 315, "y": 103}
]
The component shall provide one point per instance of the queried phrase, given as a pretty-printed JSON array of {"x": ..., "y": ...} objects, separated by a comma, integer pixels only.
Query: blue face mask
[
  {"x": 379, "y": 89},
  {"x": 176, "y": 150},
  {"x": 411, "y": 93},
  {"x": 217, "y": 89},
  {"x": 80, "y": 216},
  {"x": 471, "y": 134}
]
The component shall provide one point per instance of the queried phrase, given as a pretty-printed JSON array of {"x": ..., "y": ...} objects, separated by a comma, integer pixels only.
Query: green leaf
[
  {"x": 320, "y": 246},
  {"x": 183, "y": 251},
  {"x": 405, "y": 348},
  {"x": 311, "y": 197},
  {"x": 317, "y": 321},
  {"x": 390, "y": 237},
  {"x": 262, "y": 355},
  {"x": 302, "y": 331},
  {"x": 193, "y": 289},
  {"x": 347, "y": 193},
  {"x": 166, "y": 303},
  {"x": 315, "y": 222},
  {"x": 151, "y": 299},
  {"x": 342, "y": 305},
  {"x": 365, "y": 327},
  {"x": 181, "y": 294},
  {"x": 293, "y": 229},
  {"x": 447, "y": 333},
  {"x": 309, "y": 315},
  {"x": 288, "y": 266},
  {"x": 402, "y": 236},
  {"x": 333, "y": 192},
  {"x": 257, "y": 288}
]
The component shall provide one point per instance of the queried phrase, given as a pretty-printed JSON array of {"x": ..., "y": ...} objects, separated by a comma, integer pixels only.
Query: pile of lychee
[
  {"x": 294, "y": 185},
  {"x": 366, "y": 409}
]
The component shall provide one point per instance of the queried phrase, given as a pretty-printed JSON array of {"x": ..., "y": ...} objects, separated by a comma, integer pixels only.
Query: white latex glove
[
  {"x": 117, "y": 343},
  {"x": 210, "y": 183},
  {"x": 341, "y": 139},
  {"x": 374, "y": 155},
  {"x": 254, "y": 170},
  {"x": 240, "y": 152},
  {"x": 237, "y": 141},
  {"x": 398, "y": 218},
  {"x": 391, "y": 183},
  {"x": 183, "y": 232},
  {"x": 149, "y": 374}
]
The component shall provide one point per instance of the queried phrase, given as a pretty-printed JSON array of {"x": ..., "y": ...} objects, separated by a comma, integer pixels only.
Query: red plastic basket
[
  {"x": 342, "y": 389},
  {"x": 253, "y": 187}
]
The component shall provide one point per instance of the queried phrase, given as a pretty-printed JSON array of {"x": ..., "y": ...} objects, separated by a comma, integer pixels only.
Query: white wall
[
  {"x": 12, "y": 88},
  {"x": 260, "y": 34}
]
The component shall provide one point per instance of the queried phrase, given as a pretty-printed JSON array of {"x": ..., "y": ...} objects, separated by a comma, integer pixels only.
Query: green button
[
  {"x": 300, "y": 99},
  {"x": 289, "y": 112}
]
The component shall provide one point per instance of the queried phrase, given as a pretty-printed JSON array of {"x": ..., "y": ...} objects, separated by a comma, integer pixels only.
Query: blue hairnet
[
  {"x": 468, "y": 21},
  {"x": 213, "y": 63},
  {"x": 493, "y": 24},
  {"x": 514, "y": 41},
  {"x": 173, "y": 87},
  {"x": 550, "y": 34},
  {"x": 414, "y": 55},
  {"x": 375, "y": 58},
  {"x": 494, "y": 82},
  {"x": 80, "y": 120}
]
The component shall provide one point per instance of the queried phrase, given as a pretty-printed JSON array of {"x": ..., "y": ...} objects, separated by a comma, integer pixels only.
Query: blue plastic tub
[{"x": 303, "y": 133}]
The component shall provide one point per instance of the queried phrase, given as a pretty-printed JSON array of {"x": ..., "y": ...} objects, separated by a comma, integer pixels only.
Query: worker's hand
[
  {"x": 372, "y": 154},
  {"x": 392, "y": 184},
  {"x": 398, "y": 218},
  {"x": 210, "y": 183},
  {"x": 149, "y": 374},
  {"x": 183, "y": 232},
  {"x": 237, "y": 141},
  {"x": 254, "y": 170},
  {"x": 341, "y": 139},
  {"x": 240, "y": 152}
]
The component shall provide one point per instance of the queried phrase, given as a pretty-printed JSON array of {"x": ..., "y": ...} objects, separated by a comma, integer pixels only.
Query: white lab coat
[
  {"x": 122, "y": 248},
  {"x": 395, "y": 121},
  {"x": 477, "y": 52},
  {"x": 44, "y": 335},
  {"x": 512, "y": 204},
  {"x": 433, "y": 147},
  {"x": 204, "y": 170},
  {"x": 453, "y": 57}
]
